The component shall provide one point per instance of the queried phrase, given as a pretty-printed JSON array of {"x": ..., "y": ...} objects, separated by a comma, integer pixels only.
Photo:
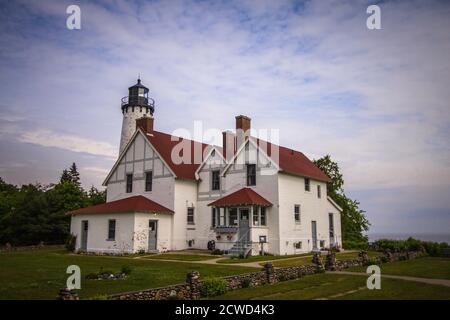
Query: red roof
[
  {"x": 127, "y": 205},
  {"x": 164, "y": 145},
  {"x": 244, "y": 196},
  {"x": 293, "y": 162},
  {"x": 290, "y": 161}
]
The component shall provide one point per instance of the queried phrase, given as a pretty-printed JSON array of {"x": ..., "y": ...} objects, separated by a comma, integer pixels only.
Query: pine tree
[
  {"x": 74, "y": 174},
  {"x": 65, "y": 176}
]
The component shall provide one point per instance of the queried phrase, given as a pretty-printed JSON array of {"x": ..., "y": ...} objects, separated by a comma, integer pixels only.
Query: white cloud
[{"x": 73, "y": 143}]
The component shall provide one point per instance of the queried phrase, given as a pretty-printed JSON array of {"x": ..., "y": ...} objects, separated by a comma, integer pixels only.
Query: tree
[
  {"x": 65, "y": 176},
  {"x": 96, "y": 196},
  {"x": 353, "y": 220},
  {"x": 74, "y": 174}
]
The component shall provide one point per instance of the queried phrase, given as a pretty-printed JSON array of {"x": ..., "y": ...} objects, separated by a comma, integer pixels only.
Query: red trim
[
  {"x": 244, "y": 196},
  {"x": 127, "y": 205}
]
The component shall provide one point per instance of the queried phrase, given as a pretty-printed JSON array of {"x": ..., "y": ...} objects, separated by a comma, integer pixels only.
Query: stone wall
[{"x": 268, "y": 275}]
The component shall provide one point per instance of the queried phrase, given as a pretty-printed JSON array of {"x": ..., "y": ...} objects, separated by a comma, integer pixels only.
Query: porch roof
[
  {"x": 127, "y": 205},
  {"x": 244, "y": 196}
]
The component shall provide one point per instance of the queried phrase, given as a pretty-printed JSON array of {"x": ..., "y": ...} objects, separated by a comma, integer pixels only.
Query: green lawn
[
  {"x": 426, "y": 267},
  {"x": 39, "y": 274},
  {"x": 261, "y": 258},
  {"x": 181, "y": 257},
  {"x": 335, "y": 286}
]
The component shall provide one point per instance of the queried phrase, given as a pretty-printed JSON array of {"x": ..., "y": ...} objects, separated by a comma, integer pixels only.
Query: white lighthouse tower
[{"x": 136, "y": 105}]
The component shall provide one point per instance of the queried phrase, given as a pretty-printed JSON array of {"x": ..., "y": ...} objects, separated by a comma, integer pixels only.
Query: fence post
[
  {"x": 318, "y": 262},
  {"x": 193, "y": 280},
  {"x": 330, "y": 262},
  {"x": 363, "y": 257}
]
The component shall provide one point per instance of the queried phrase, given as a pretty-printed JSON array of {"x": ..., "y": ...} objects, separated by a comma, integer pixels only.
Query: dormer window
[
  {"x": 251, "y": 174},
  {"x": 215, "y": 180},
  {"x": 129, "y": 183}
]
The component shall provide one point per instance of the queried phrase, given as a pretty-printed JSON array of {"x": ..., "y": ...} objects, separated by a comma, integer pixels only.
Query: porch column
[{"x": 250, "y": 222}]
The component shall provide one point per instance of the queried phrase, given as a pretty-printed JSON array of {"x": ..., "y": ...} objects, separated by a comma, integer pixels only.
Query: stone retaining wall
[{"x": 269, "y": 275}]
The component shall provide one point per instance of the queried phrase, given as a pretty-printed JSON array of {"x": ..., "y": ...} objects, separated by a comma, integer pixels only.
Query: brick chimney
[
  {"x": 243, "y": 126},
  {"x": 145, "y": 123},
  {"x": 228, "y": 144}
]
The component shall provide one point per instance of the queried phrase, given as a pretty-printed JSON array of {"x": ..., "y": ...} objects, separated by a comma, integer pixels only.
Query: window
[
  {"x": 148, "y": 181},
  {"x": 298, "y": 245},
  {"x": 215, "y": 180},
  {"x": 233, "y": 217},
  {"x": 262, "y": 216},
  {"x": 322, "y": 244},
  {"x": 129, "y": 183},
  {"x": 221, "y": 217},
  {"x": 190, "y": 215},
  {"x": 319, "y": 192},
  {"x": 251, "y": 174},
  {"x": 255, "y": 216},
  {"x": 111, "y": 229},
  {"x": 213, "y": 217},
  {"x": 297, "y": 213},
  {"x": 307, "y": 185}
]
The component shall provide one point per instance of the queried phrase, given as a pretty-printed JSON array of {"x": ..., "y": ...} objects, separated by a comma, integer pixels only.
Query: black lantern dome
[{"x": 138, "y": 97}]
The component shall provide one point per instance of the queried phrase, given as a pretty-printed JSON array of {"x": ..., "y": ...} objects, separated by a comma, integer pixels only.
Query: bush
[
  {"x": 213, "y": 287},
  {"x": 245, "y": 283},
  {"x": 432, "y": 248},
  {"x": 126, "y": 270},
  {"x": 356, "y": 245},
  {"x": 372, "y": 262},
  {"x": 217, "y": 252},
  {"x": 71, "y": 242}
]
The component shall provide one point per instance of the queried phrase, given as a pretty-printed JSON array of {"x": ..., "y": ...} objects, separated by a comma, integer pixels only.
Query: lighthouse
[{"x": 134, "y": 106}]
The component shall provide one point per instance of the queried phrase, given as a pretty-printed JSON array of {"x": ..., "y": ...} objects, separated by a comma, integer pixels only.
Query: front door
[
  {"x": 244, "y": 225},
  {"x": 314, "y": 234},
  {"x": 84, "y": 235},
  {"x": 152, "y": 234}
]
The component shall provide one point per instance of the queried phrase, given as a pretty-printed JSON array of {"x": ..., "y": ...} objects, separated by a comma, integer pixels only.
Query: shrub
[
  {"x": 411, "y": 244},
  {"x": 217, "y": 252},
  {"x": 213, "y": 286},
  {"x": 126, "y": 270},
  {"x": 245, "y": 283},
  {"x": 372, "y": 262},
  {"x": 352, "y": 244},
  {"x": 71, "y": 242}
]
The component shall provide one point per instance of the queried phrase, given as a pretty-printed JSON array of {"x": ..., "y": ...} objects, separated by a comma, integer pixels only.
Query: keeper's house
[{"x": 244, "y": 196}]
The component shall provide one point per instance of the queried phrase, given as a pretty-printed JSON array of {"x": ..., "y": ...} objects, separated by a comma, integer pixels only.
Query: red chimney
[
  {"x": 145, "y": 123},
  {"x": 242, "y": 129},
  {"x": 228, "y": 144}
]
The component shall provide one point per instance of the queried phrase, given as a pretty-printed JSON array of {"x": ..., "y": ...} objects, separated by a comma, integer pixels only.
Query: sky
[{"x": 377, "y": 101}]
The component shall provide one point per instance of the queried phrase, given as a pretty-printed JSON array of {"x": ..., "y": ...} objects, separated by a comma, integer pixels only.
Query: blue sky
[{"x": 376, "y": 100}]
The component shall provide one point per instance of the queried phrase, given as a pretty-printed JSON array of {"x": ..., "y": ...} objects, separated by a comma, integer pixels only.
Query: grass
[
  {"x": 181, "y": 257},
  {"x": 335, "y": 286},
  {"x": 426, "y": 267},
  {"x": 307, "y": 259},
  {"x": 261, "y": 258},
  {"x": 39, "y": 274}
]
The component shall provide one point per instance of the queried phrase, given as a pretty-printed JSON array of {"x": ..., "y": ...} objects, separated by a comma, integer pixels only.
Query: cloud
[
  {"x": 47, "y": 138},
  {"x": 377, "y": 101}
]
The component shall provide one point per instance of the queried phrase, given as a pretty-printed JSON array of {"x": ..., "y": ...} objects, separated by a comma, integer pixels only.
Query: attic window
[
  {"x": 129, "y": 183},
  {"x": 251, "y": 174},
  {"x": 215, "y": 180}
]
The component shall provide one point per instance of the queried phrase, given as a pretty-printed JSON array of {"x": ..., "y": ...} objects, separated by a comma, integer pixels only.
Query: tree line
[{"x": 35, "y": 213}]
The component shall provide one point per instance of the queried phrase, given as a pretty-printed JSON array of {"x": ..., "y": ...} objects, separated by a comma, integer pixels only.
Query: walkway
[{"x": 442, "y": 282}]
